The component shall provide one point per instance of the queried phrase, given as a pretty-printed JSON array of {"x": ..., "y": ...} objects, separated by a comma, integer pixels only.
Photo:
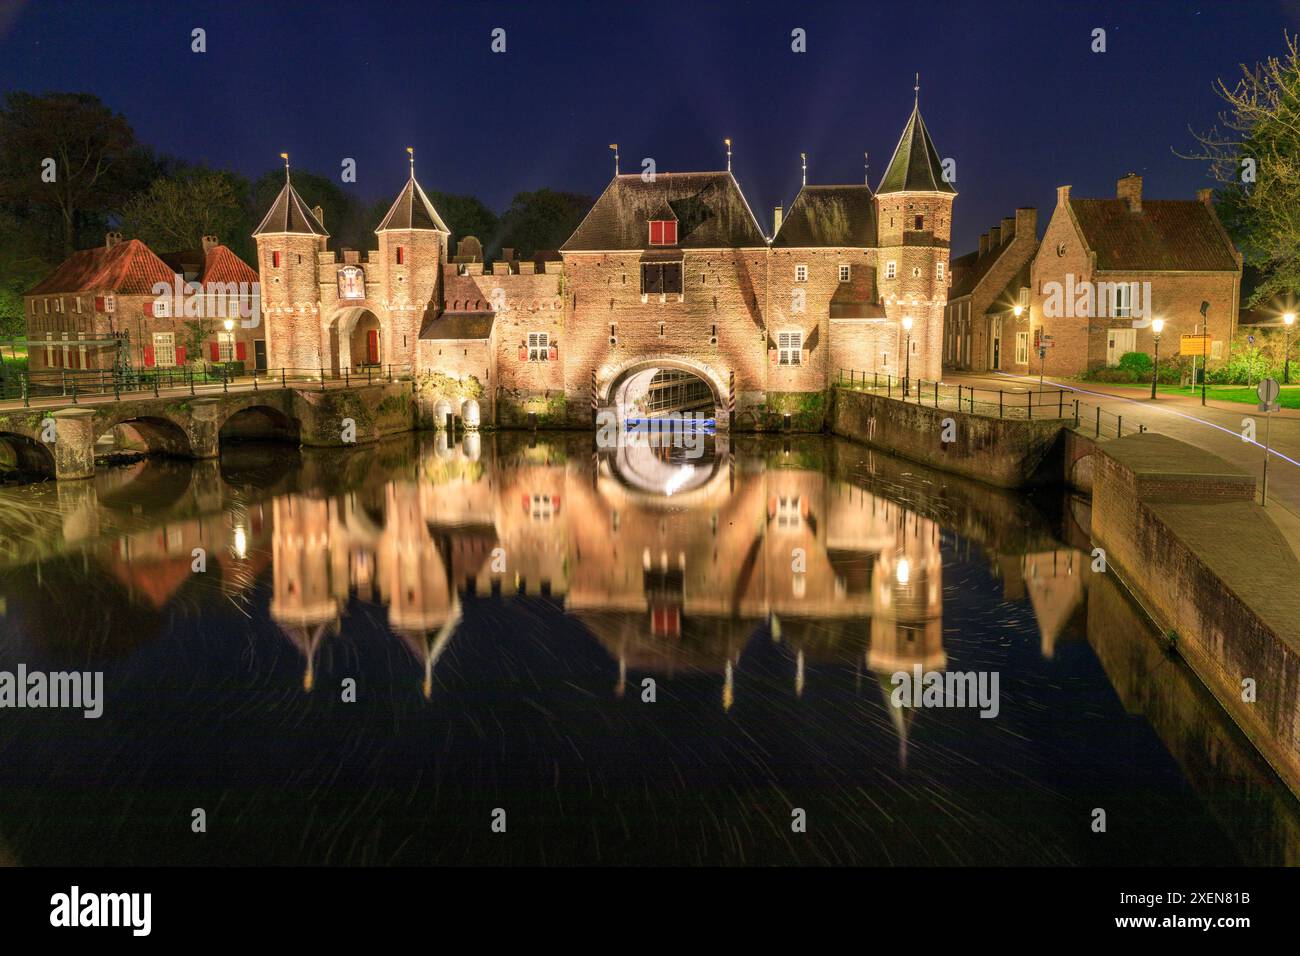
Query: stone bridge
[{"x": 61, "y": 442}]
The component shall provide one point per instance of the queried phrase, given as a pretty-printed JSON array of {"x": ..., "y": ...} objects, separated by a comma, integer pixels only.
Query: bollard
[
  {"x": 1031, "y": 405},
  {"x": 958, "y": 398},
  {"x": 1098, "y": 421},
  {"x": 1060, "y": 403},
  {"x": 282, "y": 384},
  {"x": 999, "y": 403},
  {"x": 347, "y": 378},
  {"x": 1119, "y": 426},
  {"x": 1076, "y": 413},
  {"x": 936, "y": 394}
]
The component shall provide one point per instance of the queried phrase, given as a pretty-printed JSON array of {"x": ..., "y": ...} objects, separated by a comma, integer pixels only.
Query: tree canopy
[{"x": 1254, "y": 153}]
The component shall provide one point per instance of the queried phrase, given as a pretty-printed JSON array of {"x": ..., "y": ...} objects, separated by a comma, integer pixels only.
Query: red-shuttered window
[
  {"x": 275, "y": 260},
  {"x": 663, "y": 232},
  {"x": 401, "y": 255}
]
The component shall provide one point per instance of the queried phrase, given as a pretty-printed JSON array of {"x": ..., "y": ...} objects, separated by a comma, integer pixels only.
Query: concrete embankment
[
  {"x": 1181, "y": 527},
  {"x": 1007, "y": 452}
]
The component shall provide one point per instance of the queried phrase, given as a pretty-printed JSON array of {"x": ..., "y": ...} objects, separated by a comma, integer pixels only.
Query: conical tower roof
[
  {"x": 290, "y": 214},
  {"x": 915, "y": 166},
  {"x": 412, "y": 210}
]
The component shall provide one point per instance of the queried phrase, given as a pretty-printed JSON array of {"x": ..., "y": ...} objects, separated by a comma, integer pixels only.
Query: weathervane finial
[
  {"x": 285, "y": 157},
  {"x": 410, "y": 152},
  {"x": 917, "y": 89},
  {"x": 614, "y": 147},
  {"x": 803, "y": 159},
  {"x": 866, "y": 168}
]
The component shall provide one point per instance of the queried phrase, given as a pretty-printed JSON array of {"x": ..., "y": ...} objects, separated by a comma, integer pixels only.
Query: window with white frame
[
  {"x": 164, "y": 349},
  {"x": 938, "y": 270},
  {"x": 542, "y": 508},
  {"x": 891, "y": 269},
  {"x": 801, "y": 273},
  {"x": 226, "y": 346},
  {"x": 1022, "y": 348},
  {"x": 789, "y": 346},
  {"x": 844, "y": 272},
  {"x": 789, "y": 513},
  {"x": 49, "y": 349},
  {"x": 1123, "y": 302},
  {"x": 538, "y": 346}
]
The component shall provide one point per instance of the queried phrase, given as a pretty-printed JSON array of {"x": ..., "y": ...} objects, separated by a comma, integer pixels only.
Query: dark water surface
[{"x": 522, "y": 689}]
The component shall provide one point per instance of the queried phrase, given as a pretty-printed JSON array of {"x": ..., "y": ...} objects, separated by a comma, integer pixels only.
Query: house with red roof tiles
[
  {"x": 123, "y": 305},
  {"x": 1107, "y": 268}
]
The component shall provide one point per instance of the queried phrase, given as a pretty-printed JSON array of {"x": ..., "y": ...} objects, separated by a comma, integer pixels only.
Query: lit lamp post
[
  {"x": 1157, "y": 326},
  {"x": 1288, "y": 320},
  {"x": 907, "y": 355}
]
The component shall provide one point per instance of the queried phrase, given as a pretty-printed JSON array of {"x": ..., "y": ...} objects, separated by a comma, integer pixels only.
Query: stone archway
[
  {"x": 25, "y": 455},
  {"x": 356, "y": 339},
  {"x": 627, "y": 384}
]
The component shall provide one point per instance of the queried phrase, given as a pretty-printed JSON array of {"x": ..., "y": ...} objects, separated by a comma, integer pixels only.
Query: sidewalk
[{"x": 1216, "y": 427}]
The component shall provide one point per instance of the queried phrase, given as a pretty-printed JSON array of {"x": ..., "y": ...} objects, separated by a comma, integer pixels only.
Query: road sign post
[{"x": 1268, "y": 392}]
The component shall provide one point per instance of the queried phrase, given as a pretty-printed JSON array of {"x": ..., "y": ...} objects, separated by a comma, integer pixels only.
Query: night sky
[{"x": 1011, "y": 91}]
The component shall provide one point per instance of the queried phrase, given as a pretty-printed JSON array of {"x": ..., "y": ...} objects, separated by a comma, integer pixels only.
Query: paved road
[{"x": 1216, "y": 427}]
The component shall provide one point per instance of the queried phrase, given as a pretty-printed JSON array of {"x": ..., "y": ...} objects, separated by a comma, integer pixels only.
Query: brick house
[
  {"x": 981, "y": 331},
  {"x": 101, "y": 307},
  {"x": 1107, "y": 267}
]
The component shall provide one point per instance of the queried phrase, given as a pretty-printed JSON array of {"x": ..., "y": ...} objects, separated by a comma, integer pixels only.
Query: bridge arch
[
  {"x": 26, "y": 454},
  {"x": 159, "y": 434},
  {"x": 259, "y": 421},
  {"x": 636, "y": 373}
]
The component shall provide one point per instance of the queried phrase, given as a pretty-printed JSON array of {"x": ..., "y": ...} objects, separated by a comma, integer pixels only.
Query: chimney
[
  {"x": 1008, "y": 228},
  {"x": 776, "y": 220},
  {"x": 1027, "y": 222},
  {"x": 1062, "y": 195},
  {"x": 111, "y": 239},
  {"x": 319, "y": 213},
  {"x": 210, "y": 243},
  {"x": 984, "y": 243},
  {"x": 1130, "y": 190},
  {"x": 995, "y": 237},
  {"x": 1206, "y": 196}
]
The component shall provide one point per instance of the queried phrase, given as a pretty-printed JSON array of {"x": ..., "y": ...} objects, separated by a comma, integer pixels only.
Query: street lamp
[
  {"x": 1157, "y": 326},
  {"x": 1288, "y": 320},
  {"x": 907, "y": 369}
]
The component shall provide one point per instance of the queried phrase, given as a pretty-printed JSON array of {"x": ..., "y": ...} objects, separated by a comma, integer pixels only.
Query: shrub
[{"x": 1137, "y": 362}]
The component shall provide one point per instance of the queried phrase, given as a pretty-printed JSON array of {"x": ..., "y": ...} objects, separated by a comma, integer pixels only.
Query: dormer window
[{"x": 663, "y": 232}]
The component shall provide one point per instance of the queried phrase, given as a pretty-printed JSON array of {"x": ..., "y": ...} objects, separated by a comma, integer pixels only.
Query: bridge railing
[
  {"x": 1049, "y": 403},
  {"x": 77, "y": 385}
]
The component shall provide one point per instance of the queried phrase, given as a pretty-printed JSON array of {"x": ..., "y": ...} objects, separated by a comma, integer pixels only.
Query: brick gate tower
[
  {"x": 914, "y": 213},
  {"x": 288, "y": 240}
]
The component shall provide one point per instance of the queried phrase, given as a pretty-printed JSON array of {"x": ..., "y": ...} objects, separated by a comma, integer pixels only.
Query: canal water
[{"x": 391, "y": 654}]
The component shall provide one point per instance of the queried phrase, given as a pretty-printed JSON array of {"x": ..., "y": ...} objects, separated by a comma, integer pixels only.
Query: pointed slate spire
[
  {"x": 289, "y": 213},
  {"x": 915, "y": 166},
  {"x": 412, "y": 209}
]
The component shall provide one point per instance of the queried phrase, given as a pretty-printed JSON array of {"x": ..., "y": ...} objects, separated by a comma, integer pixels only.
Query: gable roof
[
  {"x": 128, "y": 268},
  {"x": 412, "y": 210},
  {"x": 710, "y": 209},
  {"x": 830, "y": 216},
  {"x": 969, "y": 270},
  {"x": 1179, "y": 235},
  {"x": 915, "y": 166},
  {"x": 289, "y": 214},
  {"x": 222, "y": 265}
]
